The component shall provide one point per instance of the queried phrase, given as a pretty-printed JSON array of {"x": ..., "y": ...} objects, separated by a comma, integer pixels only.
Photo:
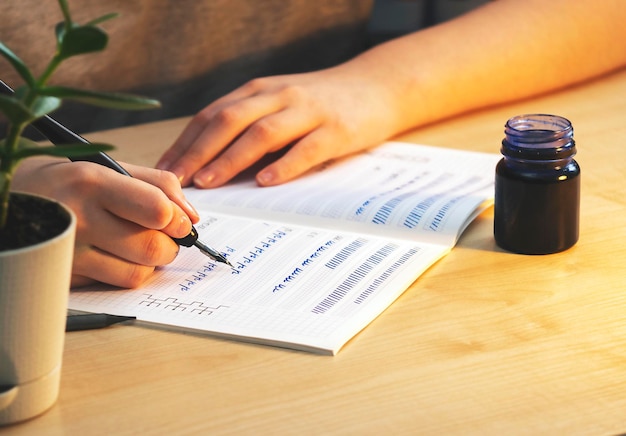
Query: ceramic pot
[{"x": 34, "y": 290}]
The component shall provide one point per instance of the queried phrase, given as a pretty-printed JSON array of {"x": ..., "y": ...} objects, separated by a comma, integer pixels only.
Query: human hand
[
  {"x": 322, "y": 115},
  {"x": 124, "y": 224}
]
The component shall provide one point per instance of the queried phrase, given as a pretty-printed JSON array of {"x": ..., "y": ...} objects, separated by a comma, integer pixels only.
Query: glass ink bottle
[{"x": 537, "y": 186}]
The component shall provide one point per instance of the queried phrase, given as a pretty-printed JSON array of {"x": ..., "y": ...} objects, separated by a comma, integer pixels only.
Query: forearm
[{"x": 505, "y": 51}]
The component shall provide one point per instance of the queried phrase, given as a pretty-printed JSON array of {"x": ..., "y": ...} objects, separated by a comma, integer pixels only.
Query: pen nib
[{"x": 213, "y": 254}]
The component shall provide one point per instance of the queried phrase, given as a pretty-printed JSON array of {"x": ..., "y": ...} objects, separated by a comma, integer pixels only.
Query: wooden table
[{"x": 485, "y": 342}]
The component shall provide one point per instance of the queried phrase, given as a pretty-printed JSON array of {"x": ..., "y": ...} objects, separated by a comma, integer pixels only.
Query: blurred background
[{"x": 391, "y": 18}]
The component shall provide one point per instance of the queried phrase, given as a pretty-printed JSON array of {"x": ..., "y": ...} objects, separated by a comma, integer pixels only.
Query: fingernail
[
  {"x": 180, "y": 174},
  {"x": 203, "y": 180},
  {"x": 192, "y": 209},
  {"x": 184, "y": 226},
  {"x": 163, "y": 165},
  {"x": 265, "y": 177}
]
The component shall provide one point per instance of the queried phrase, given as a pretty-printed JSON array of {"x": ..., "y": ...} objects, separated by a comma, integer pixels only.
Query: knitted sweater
[{"x": 185, "y": 53}]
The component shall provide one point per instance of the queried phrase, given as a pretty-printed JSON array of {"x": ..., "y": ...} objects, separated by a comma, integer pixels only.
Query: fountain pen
[
  {"x": 58, "y": 134},
  {"x": 89, "y": 321}
]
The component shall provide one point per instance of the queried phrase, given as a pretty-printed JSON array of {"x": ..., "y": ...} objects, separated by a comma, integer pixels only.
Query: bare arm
[{"x": 505, "y": 50}]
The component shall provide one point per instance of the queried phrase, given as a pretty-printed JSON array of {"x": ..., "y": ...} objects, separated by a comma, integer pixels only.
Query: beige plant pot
[{"x": 34, "y": 290}]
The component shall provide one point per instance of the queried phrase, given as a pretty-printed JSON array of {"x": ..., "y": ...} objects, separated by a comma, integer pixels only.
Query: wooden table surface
[{"x": 485, "y": 342}]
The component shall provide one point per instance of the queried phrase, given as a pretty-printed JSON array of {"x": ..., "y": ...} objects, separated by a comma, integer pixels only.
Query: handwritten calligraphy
[
  {"x": 206, "y": 223},
  {"x": 196, "y": 277},
  {"x": 306, "y": 262},
  {"x": 371, "y": 201},
  {"x": 354, "y": 278},
  {"x": 259, "y": 249},
  {"x": 175, "y": 305}
]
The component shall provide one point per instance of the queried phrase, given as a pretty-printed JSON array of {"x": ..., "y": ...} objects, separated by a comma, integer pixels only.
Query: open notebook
[{"x": 317, "y": 259}]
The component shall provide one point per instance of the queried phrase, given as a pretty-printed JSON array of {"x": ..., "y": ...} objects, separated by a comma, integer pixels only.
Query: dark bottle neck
[{"x": 538, "y": 137}]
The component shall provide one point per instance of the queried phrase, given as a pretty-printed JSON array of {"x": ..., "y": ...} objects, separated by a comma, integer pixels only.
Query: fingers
[
  {"x": 80, "y": 281},
  {"x": 124, "y": 234},
  {"x": 92, "y": 265},
  {"x": 319, "y": 115},
  {"x": 267, "y": 134},
  {"x": 169, "y": 184},
  {"x": 236, "y": 131},
  {"x": 216, "y": 126},
  {"x": 143, "y": 204},
  {"x": 197, "y": 125},
  {"x": 129, "y": 241},
  {"x": 310, "y": 151},
  {"x": 128, "y": 222}
]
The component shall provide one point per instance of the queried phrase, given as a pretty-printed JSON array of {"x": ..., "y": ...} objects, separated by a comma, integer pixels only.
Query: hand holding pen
[
  {"x": 123, "y": 223},
  {"x": 59, "y": 135}
]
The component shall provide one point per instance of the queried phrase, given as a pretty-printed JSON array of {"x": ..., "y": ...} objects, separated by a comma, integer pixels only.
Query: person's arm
[
  {"x": 124, "y": 224},
  {"x": 503, "y": 51}
]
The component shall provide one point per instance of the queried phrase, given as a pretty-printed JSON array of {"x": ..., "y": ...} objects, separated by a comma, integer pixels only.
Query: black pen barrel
[
  {"x": 90, "y": 321},
  {"x": 58, "y": 134}
]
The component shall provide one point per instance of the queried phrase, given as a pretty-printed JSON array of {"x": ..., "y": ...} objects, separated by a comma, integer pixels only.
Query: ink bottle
[{"x": 537, "y": 186}]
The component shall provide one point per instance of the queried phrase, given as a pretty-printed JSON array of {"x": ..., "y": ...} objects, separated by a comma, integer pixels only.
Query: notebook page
[
  {"x": 293, "y": 286},
  {"x": 396, "y": 190}
]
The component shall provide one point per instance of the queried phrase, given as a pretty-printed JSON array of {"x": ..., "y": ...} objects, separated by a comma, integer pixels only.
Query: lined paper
[{"x": 314, "y": 260}]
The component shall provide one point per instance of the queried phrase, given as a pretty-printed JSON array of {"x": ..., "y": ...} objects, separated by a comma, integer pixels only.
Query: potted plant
[{"x": 37, "y": 234}]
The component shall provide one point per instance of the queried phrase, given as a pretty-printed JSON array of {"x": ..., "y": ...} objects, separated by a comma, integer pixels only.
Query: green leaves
[
  {"x": 18, "y": 113},
  {"x": 36, "y": 99},
  {"x": 14, "y": 110},
  {"x": 43, "y": 106},
  {"x": 103, "y": 18},
  {"x": 74, "y": 40},
  {"x": 94, "y": 98},
  {"x": 27, "y": 148},
  {"x": 17, "y": 64}
]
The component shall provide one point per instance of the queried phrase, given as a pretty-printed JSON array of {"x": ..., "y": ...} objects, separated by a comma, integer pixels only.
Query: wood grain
[{"x": 485, "y": 342}]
